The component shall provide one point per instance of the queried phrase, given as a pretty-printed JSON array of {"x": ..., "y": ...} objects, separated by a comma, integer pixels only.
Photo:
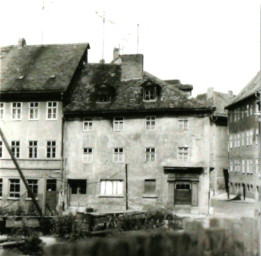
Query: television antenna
[{"x": 104, "y": 20}]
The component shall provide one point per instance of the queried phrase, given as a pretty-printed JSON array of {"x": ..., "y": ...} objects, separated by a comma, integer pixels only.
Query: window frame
[
  {"x": 17, "y": 109},
  {"x": 16, "y": 148},
  {"x": 32, "y": 187},
  {"x": 182, "y": 126},
  {"x": 153, "y": 192},
  {"x": 16, "y": 193},
  {"x": 53, "y": 149},
  {"x": 103, "y": 188},
  {"x": 33, "y": 148},
  {"x": 118, "y": 157},
  {"x": 2, "y": 110},
  {"x": 118, "y": 125},
  {"x": 152, "y": 95},
  {"x": 150, "y": 154},
  {"x": 34, "y": 110},
  {"x": 52, "y": 112},
  {"x": 87, "y": 122},
  {"x": 150, "y": 122},
  {"x": 183, "y": 151},
  {"x": 87, "y": 156}
]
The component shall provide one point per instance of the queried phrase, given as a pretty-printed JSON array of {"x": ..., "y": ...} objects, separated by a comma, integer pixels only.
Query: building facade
[
  {"x": 35, "y": 81},
  {"x": 133, "y": 141},
  {"x": 244, "y": 171},
  {"x": 219, "y": 139}
]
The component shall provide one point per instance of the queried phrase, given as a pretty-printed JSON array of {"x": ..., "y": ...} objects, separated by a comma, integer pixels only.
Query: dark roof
[
  {"x": 218, "y": 100},
  {"x": 128, "y": 94},
  {"x": 46, "y": 68},
  {"x": 185, "y": 87},
  {"x": 249, "y": 90}
]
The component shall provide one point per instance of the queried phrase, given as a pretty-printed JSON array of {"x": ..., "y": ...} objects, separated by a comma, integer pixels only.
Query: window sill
[
  {"x": 30, "y": 199},
  {"x": 111, "y": 196},
  {"x": 13, "y": 198},
  {"x": 149, "y": 196}
]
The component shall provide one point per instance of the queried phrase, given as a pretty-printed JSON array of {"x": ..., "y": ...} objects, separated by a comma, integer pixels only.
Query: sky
[{"x": 206, "y": 43}]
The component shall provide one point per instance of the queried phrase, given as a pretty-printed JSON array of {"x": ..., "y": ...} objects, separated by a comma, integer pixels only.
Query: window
[
  {"x": 231, "y": 166},
  {"x": 33, "y": 149},
  {"x": 118, "y": 155},
  {"x": 243, "y": 139},
  {"x": 256, "y": 138},
  {"x": 52, "y": 110},
  {"x": 247, "y": 138},
  {"x": 77, "y": 187},
  {"x": 150, "y": 155},
  {"x": 14, "y": 188},
  {"x": 33, "y": 110},
  {"x": 149, "y": 94},
  {"x": 257, "y": 166},
  {"x": 183, "y": 124},
  {"x": 150, "y": 122},
  {"x": 16, "y": 111},
  {"x": 238, "y": 140},
  {"x": 33, "y": 185},
  {"x": 51, "y": 185},
  {"x": 87, "y": 155},
  {"x": 250, "y": 137},
  {"x": 118, "y": 124},
  {"x": 247, "y": 110},
  {"x": 149, "y": 186},
  {"x": 1, "y": 149},
  {"x": 243, "y": 166},
  {"x": 111, "y": 187},
  {"x": 1, "y": 187},
  {"x": 251, "y": 166},
  {"x": 15, "y": 147},
  {"x": 251, "y": 110},
  {"x": 2, "y": 110},
  {"x": 87, "y": 124},
  {"x": 51, "y": 149},
  {"x": 248, "y": 165},
  {"x": 183, "y": 153}
]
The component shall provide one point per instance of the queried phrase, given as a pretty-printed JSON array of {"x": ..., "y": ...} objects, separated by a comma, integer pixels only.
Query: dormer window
[
  {"x": 104, "y": 94},
  {"x": 149, "y": 93}
]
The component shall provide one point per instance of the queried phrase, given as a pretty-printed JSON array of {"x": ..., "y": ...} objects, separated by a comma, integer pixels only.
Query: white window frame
[
  {"x": 2, "y": 110},
  {"x": 17, "y": 110},
  {"x": 251, "y": 137},
  {"x": 183, "y": 153},
  {"x": 118, "y": 124},
  {"x": 15, "y": 148},
  {"x": 118, "y": 155},
  {"x": 33, "y": 184},
  {"x": 111, "y": 187},
  {"x": 257, "y": 166},
  {"x": 183, "y": 124},
  {"x": 243, "y": 166},
  {"x": 34, "y": 109},
  {"x": 33, "y": 146},
  {"x": 53, "y": 149},
  {"x": 16, "y": 190},
  {"x": 250, "y": 110},
  {"x": 257, "y": 135},
  {"x": 150, "y": 122},
  {"x": 149, "y": 94},
  {"x": 87, "y": 155},
  {"x": 87, "y": 125},
  {"x": 52, "y": 108},
  {"x": 150, "y": 154}
]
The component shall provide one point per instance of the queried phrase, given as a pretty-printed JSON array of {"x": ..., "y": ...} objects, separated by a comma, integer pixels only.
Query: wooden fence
[{"x": 212, "y": 237}]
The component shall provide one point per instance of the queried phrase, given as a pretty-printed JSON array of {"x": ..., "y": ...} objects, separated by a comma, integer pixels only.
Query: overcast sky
[{"x": 206, "y": 43}]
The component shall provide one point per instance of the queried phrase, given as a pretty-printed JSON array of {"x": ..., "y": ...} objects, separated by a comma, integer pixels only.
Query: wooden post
[
  {"x": 21, "y": 174},
  {"x": 126, "y": 184}
]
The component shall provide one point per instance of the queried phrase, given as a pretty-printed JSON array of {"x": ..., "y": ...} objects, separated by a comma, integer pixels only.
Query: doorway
[
  {"x": 182, "y": 193},
  {"x": 77, "y": 192},
  {"x": 51, "y": 194}
]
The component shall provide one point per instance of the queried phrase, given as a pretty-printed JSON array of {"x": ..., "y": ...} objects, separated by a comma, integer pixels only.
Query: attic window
[
  {"x": 104, "y": 94},
  {"x": 149, "y": 93}
]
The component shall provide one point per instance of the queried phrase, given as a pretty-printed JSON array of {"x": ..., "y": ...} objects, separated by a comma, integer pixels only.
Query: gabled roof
[
  {"x": 37, "y": 68},
  {"x": 249, "y": 90},
  {"x": 128, "y": 94},
  {"x": 218, "y": 100}
]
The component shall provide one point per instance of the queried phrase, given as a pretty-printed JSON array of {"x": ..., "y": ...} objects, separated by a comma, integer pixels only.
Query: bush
[{"x": 68, "y": 228}]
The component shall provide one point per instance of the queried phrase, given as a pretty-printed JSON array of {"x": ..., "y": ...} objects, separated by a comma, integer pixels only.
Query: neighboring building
[
  {"x": 244, "y": 172},
  {"x": 35, "y": 83},
  {"x": 219, "y": 138},
  {"x": 121, "y": 118}
]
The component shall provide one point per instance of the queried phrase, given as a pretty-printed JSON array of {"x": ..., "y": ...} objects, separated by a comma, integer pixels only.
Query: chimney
[
  {"x": 230, "y": 94},
  {"x": 116, "y": 53},
  {"x": 210, "y": 93},
  {"x": 21, "y": 42},
  {"x": 131, "y": 67}
]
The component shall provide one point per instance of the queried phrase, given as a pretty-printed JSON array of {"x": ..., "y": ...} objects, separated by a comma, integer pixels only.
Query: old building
[
  {"x": 36, "y": 82},
  {"x": 218, "y": 139},
  {"x": 133, "y": 141},
  {"x": 244, "y": 172}
]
